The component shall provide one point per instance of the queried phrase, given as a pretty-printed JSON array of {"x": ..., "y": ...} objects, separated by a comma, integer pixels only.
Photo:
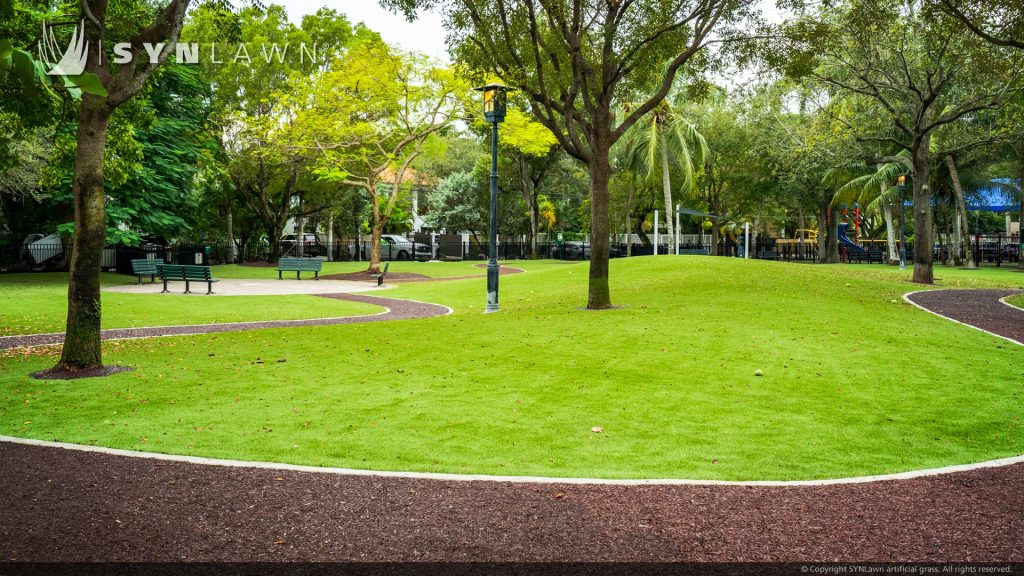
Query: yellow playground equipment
[{"x": 807, "y": 234}]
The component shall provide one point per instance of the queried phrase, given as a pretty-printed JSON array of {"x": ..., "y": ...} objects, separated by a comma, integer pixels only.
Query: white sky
[{"x": 425, "y": 35}]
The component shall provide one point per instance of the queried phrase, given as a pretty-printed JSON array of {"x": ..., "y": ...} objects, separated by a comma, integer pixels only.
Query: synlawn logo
[{"x": 71, "y": 61}]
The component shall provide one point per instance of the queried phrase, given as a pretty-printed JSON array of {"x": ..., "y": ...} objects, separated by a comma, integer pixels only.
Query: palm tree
[
  {"x": 660, "y": 141},
  {"x": 873, "y": 189}
]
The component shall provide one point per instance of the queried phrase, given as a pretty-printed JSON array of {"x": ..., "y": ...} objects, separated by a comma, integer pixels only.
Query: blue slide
[{"x": 845, "y": 241}]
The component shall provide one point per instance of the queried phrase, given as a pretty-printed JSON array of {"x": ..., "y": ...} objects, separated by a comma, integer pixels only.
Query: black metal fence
[{"x": 988, "y": 250}]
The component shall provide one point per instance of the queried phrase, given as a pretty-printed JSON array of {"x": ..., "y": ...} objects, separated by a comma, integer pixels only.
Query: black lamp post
[
  {"x": 494, "y": 112},
  {"x": 902, "y": 186}
]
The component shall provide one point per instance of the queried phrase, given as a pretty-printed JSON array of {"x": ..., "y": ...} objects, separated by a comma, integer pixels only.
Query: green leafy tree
[
  {"x": 577, "y": 63},
  {"x": 922, "y": 70},
  {"x": 662, "y": 140},
  {"x": 369, "y": 117},
  {"x": 455, "y": 205}
]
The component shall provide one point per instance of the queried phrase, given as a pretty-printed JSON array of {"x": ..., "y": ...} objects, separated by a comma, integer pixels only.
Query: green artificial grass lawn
[
  {"x": 855, "y": 381},
  {"x": 37, "y": 303}
]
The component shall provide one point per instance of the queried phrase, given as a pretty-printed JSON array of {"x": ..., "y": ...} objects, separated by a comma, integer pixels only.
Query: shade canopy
[
  {"x": 1001, "y": 196},
  {"x": 689, "y": 212}
]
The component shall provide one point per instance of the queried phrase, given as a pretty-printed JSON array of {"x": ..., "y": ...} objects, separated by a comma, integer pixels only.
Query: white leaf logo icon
[{"x": 72, "y": 60}]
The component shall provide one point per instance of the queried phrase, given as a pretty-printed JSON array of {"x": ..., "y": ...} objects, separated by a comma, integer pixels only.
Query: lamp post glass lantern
[
  {"x": 902, "y": 187},
  {"x": 494, "y": 112}
]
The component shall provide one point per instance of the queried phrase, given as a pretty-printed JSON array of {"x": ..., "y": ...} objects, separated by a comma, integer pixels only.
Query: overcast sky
[{"x": 425, "y": 35}]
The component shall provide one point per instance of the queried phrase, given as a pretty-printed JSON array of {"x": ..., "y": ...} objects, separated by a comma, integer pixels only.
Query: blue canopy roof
[{"x": 1001, "y": 196}]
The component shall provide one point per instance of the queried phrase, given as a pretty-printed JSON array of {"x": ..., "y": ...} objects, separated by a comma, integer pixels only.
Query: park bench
[
  {"x": 693, "y": 251},
  {"x": 147, "y": 267},
  {"x": 300, "y": 265},
  {"x": 869, "y": 256},
  {"x": 769, "y": 255},
  {"x": 187, "y": 274},
  {"x": 380, "y": 277}
]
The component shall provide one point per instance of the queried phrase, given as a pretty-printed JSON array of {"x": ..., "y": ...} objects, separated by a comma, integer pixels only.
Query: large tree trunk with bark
[
  {"x": 961, "y": 206},
  {"x": 82, "y": 349},
  {"x": 599, "y": 296},
  {"x": 923, "y": 273},
  {"x": 828, "y": 252}
]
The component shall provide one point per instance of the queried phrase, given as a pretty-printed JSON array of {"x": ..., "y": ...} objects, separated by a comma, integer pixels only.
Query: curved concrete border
[
  {"x": 915, "y": 304},
  {"x": 394, "y": 309},
  {"x": 512, "y": 479},
  {"x": 1006, "y": 300}
]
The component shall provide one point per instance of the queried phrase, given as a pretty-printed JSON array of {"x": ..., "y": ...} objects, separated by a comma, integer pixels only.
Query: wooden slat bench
[
  {"x": 147, "y": 267},
  {"x": 187, "y": 274},
  {"x": 300, "y": 265}
]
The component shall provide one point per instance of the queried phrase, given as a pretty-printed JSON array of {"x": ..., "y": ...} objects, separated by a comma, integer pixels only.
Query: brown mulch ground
[
  {"x": 401, "y": 277},
  {"x": 66, "y": 505},
  {"x": 980, "y": 308},
  {"x": 64, "y": 374},
  {"x": 399, "y": 310}
]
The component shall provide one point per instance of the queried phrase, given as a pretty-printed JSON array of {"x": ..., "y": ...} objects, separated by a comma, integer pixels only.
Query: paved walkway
[
  {"x": 68, "y": 505},
  {"x": 981, "y": 309},
  {"x": 396, "y": 310}
]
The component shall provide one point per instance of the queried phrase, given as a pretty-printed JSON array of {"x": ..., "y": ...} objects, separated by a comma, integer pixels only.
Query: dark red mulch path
[
  {"x": 979, "y": 308},
  {"x": 400, "y": 277},
  {"x": 399, "y": 310},
  {"x": 66, "y": 505}
]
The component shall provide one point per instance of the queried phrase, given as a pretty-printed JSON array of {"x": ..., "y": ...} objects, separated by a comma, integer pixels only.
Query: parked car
[
  {"x": 395, "y": 247},
  {"x": 42, "y": 250},
  {"x": 575, "y": 250},
  {"x": 311, "y": 246}
]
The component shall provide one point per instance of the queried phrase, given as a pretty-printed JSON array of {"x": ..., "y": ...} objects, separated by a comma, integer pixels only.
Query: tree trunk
[
  {"x": 82, "y": 349},
  {"x": 629, "y": 214},
  {"x": 830, "y": 255},
  {"x": 666, "y": 187},
  {"x": 961, "y": 206},
  {"x": 376, "y": 231},
  {"x": 231, "y": 235},
  {"x": 923, "y": 273},
  {"x": 890, "y": 234},
  {"x": 534, "y": 227},
  {"x": 599, "y": 296},
  {"x": 716, "y": 236},
  {"x": 330, "y": 236}
]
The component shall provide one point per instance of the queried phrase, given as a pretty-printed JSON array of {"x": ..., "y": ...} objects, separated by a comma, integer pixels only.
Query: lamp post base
[{"x": 492, "y": 287}]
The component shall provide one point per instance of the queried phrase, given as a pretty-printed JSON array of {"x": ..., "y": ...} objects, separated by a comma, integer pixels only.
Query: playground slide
[{"x": 845, "y": 240}]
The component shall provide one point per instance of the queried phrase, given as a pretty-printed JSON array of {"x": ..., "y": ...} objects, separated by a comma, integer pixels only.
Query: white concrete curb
[
  {"x": 907, "y": 298},
  {"x": 512, "y": 479},
  {"x": 1006, "y": 300}
]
